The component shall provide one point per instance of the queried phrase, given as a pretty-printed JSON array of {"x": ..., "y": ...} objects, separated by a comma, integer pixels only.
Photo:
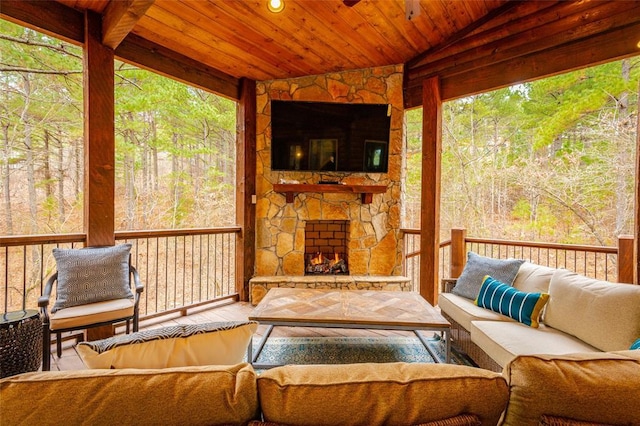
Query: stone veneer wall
[{"x": 375, "y": 241}]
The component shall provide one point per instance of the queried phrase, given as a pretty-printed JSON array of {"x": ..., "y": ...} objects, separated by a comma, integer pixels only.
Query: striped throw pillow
[{"x": 506, "y": 300}]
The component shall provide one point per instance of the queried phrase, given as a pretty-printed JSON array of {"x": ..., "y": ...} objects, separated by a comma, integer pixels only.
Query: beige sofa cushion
[
  {"x": 598, "y": 387},
  {"x": 217, "y": 343},
  {"x": 463, "y": 310},
  {"x": 532, "y": 278},
  {"x": 188, "y": 395},
  {"x": 392, "y": 393},
  {"x": 503, "y": 341},
  {"x": 603, "y": 314}
]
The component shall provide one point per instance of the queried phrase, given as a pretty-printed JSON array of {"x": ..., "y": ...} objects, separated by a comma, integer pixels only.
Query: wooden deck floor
[{"x": 237, "y": 311}]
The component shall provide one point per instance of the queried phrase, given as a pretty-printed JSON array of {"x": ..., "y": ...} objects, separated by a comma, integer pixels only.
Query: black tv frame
[{"x": 305, "y": 135}]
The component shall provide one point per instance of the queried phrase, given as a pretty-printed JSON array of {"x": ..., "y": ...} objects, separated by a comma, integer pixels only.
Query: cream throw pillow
[
  {"x": 222, "y": 343},
  {"x": 603, "y": 314}
]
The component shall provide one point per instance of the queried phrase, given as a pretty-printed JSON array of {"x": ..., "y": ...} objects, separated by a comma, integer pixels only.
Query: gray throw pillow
[
  {"x": 91, "y": 275},
  {"x": 470, "y": 281}
]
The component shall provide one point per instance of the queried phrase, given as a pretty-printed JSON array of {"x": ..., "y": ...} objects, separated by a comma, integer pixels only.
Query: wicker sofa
[
  {"x": 533, "y": 390},
  {"x": 582, "y": 315}
]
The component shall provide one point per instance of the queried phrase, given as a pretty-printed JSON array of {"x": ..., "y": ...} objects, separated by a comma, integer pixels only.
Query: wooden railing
[
  {"x": 605, "y": 263},
  {"x": 180, "y": 269},
  {"x": 184, "y": 269}
]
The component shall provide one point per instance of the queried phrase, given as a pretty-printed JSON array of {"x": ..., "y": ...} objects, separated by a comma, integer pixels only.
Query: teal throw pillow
[
  {"x": 635, "y": 345},
  {"x": 477, "y": 267},
  {"x": 506, "y": 300}
]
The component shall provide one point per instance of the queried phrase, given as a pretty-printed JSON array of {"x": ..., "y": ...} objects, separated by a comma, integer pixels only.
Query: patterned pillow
[
  {"x": 215, "y": 343},
  {"x": 469, "y": 282},
  {"x": 506, "y": 300},
  {"x": 92, "y": 275}
]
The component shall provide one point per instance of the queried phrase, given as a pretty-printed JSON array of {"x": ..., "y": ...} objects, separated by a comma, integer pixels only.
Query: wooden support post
[
  {"x": 625, "y": 259},
  {"x": 99, "y": 136},
  {"x": 430, "y": 205},
  {"x": 246, "y": 186},
  {"x": 458, "y": 252},
  {"x": 99, "y": 144}
]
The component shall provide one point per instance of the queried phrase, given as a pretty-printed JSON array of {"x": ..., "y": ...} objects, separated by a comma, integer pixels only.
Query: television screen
[{"x": 328, "y": 136}]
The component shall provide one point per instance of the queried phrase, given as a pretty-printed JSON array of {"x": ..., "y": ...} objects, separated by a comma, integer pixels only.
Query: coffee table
[{"x": 359, "y": 309}]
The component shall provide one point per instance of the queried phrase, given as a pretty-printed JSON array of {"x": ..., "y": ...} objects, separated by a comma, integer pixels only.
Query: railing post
[
  {"x": 625, "y": 259},
  {"x": 458, "y": 251}
]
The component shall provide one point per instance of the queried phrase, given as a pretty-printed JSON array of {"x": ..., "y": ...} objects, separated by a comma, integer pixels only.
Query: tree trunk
[
  {"x": 61, "y": 180},
  {"x": 175, "y": 172},
  {"x": 6, "y": 180},
  {"x": 48, "y": 191},
  {"x": 29, "y": 160},
  {"x": 624, "y": 125}
]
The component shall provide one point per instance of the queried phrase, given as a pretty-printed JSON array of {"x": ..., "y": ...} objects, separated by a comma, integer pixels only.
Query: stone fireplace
[{"x": 373, "y": 238}]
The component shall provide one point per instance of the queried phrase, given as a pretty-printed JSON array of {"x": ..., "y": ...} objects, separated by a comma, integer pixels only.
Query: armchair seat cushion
[
  {"x": 216, "y": 343},
  {"x": 93, "y": 313}
]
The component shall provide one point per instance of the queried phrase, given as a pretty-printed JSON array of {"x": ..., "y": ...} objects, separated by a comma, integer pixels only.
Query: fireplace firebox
[{"x": 326, "y": 247}]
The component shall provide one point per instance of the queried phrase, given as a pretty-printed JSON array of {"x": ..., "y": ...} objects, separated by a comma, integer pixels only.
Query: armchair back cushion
[{"x": 92, "y": 275}]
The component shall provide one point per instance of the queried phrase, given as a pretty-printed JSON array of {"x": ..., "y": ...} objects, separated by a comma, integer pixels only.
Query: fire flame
[{"x": 319, "y": 259}]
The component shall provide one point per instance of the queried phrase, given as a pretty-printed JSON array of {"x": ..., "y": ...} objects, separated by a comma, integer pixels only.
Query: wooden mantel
[{"x": 366, "y": 191}]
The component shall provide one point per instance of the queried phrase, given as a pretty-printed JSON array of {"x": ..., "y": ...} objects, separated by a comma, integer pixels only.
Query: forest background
[{"x": 551, "y": 160}]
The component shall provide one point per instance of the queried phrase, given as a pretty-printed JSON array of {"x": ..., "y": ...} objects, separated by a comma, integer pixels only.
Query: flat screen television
[{"x": 329, "y": 136}]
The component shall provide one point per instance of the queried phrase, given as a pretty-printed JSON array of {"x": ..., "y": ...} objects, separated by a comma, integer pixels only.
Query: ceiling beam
[
  {"x": 51, "y": 18},
  {"x": 578, "y": 21},
  {"x": 120, "y": 17},
  {"x": 63, "y": 22},
  {"x": 151, "y": 56},
  {"x": 609, "y": 46}
]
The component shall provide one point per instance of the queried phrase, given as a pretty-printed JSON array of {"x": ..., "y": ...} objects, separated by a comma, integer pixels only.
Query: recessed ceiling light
[{"x": 276, "y": 6}]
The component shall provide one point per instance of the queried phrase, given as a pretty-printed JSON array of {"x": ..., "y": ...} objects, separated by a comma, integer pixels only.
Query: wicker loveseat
[{"x": 582, "y": 315}]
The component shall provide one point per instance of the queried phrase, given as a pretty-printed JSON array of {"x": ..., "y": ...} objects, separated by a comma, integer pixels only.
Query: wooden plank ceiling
[
  {"x": 245, "y": 39},
  {"x": 472, "y": 46}
]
